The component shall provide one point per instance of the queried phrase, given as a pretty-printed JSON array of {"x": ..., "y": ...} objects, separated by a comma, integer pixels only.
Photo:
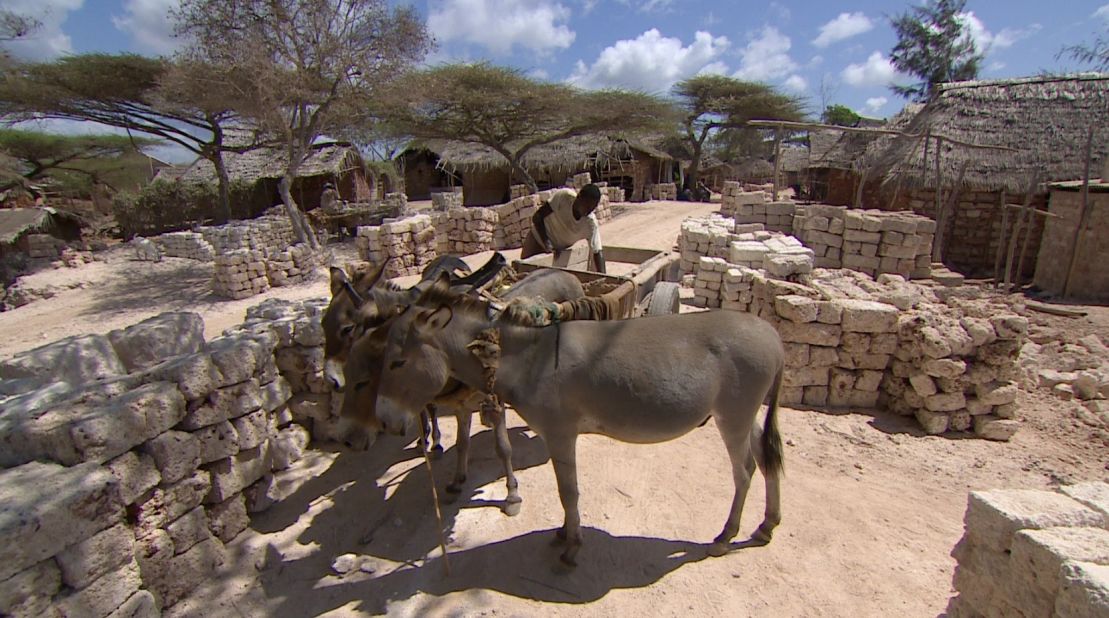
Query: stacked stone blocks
[
  {"x": 1034, "y": 553},
  {"x": 130, "y": 459},
  {"x": 408, "y": 245}
]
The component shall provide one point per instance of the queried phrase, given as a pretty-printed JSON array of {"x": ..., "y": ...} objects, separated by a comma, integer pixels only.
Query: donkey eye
[
  {"x": 360, "y": 386},
  {"x": 346, "y": 330},
  {"x": 397, "y": 364}
]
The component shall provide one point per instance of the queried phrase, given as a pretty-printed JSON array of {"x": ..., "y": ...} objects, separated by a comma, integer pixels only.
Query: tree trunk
[
  {"x": 514, "y": 164},
  {"x": 694, "y": 168},
  {"x": 301, "y": 227},
  {"x": 223, "y": 181}
]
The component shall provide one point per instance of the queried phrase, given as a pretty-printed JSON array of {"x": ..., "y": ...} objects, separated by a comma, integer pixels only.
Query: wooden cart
[{"x": 647, "y": 289}]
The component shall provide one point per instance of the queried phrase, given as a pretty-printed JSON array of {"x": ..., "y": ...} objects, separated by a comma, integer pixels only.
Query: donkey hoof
[
  {"x": 437, "y": 452},
  {"x": 763, "y": 534},
  {"x": 560, "y": 537},
  {"x": 566, "y": 563},
  {"x": 455, "y": 488},
  {"x": 512, "y": 509},
  {"x": 719, "y": 548}
]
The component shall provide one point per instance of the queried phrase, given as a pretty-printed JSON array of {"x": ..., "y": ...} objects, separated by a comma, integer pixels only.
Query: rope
[
  {"x": 486, "y": 347},
  {"x": 435, "y": 501}
]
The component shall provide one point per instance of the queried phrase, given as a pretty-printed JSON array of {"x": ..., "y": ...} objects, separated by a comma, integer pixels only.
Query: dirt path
[{"x": 871, "y": 508}]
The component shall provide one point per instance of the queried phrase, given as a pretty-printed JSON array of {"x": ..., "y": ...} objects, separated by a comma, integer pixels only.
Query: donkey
[
  {"x": 359, "y": 404},
  {"x": 645, "y": 380}
]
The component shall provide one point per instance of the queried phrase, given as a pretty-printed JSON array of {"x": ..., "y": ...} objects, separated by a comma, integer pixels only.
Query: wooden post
[
  {"x": 1000, "y": 240},
  {"x": 777, "y": 160},
  {"x": 937, "y": 247},
  {"x": 937, "y": 251},
  {"x": 1076, "y": 240},
  {"x": 1024, "y": 246},
  {"x": 859, "y": 189},
  {"x": 1018, "y": 222}
]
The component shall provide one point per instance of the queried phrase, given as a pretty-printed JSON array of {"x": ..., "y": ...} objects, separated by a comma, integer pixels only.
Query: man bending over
[{"x": 565, "y": 219}]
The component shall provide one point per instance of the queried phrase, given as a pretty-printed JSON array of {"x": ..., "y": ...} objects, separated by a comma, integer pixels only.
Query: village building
[
  {"x": 338, "y": 163},
  {"x": 433, "y": 166}
]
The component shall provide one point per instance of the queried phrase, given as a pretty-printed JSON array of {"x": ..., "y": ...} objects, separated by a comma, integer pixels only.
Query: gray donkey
[{"x": 644, "y": 380}]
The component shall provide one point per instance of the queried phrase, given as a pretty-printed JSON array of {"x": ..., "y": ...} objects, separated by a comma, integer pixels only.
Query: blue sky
[{"x": 828, "y": 52}]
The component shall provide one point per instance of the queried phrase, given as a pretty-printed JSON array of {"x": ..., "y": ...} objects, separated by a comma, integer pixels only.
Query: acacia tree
[
  {"x": 153, "y": 96},
  {"x": 37, "y": 154},
  {"x": 294, "y": 66},
  {"x": 840, "y": 115},
  {"x": 712, "y": 104},
  {"x": 933, "y": 44},
  {"x": 510, "y": 113},
  {"x": 1095, "y": 54}
]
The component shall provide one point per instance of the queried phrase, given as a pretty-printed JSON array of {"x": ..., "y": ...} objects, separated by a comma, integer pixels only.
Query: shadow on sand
[{"x": 392, "y": 519}]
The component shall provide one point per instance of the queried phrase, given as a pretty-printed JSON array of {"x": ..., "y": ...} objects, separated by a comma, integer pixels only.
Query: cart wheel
[{"x": 665, "y": 299}]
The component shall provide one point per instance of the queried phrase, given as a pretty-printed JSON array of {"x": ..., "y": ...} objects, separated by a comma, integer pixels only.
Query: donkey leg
[
  {"x": 563, "y": 451},
  {"x": 772, "y": 479},
  {"x": 436, "y": 435},
  {"x": 512, "y": 499},
  {"x": 462, "y": 445},
  {"x": 737, "y": 441}
]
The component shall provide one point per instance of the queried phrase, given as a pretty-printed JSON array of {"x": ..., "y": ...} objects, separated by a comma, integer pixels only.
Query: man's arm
[
  {"x": 595, "y": 243},
  {"x": 540, "y": 228}
]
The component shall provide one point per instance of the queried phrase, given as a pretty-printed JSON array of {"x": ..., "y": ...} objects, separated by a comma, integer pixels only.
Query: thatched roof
[
  {"x": 794, "y": 158},
  {"x": 568, "y": 154},
  {"x": 334, "y": 158},
  {"x": 1045, "y": 119},
  {"x": 754, "y": 169},
  {"x": 844, "y": 150},
  {"x": 15, "y": 222}
]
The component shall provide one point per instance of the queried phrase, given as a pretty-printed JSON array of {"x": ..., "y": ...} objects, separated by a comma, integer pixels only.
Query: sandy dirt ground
[{"x": 871, "y": 508}]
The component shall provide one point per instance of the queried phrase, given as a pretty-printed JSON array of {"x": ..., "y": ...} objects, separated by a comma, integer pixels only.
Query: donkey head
[
  {"x": 414, "y": 368},
  {"x": 350, "y": 293}
]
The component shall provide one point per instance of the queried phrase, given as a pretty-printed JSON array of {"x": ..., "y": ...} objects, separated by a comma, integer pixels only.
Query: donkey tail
[{"x": 771, "y": 440}]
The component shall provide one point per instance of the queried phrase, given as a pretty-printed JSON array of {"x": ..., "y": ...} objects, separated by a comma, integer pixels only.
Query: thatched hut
[
  {"x": 437, "y": 165},
  {"x": 1044, "y": 121},
  {"x": 336, "y": 162},
  {"x": 793, "y": 167}
]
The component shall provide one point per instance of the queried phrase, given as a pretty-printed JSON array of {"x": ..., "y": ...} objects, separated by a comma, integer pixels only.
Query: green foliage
[
  {"x": 716, "y": 109},
  {"x": 1095, "y": 54},
  {"x": 840, "y": 115},
  {"x": 166, "y": 206},
  {"x": 934, "y": 45},
  {"x": 505, "y": 110},
  {"x": 73, "y": 162}
]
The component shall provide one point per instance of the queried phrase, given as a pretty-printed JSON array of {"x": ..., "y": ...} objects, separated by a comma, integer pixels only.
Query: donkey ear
[
  {"x": 371, "y": 277},
  {"x": 436, "y": 319},
  {"x": 338, "y": 278}
]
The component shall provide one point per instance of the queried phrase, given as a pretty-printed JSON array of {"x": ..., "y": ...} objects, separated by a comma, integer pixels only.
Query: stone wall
[
  {"x": 972, "y": 236},
  {"x": 444, "y": 200},
  {"x": 269, "y": 232},
  {"x": 1091, "y": 278},
  {"x": 130, "y": 459},
  {"x": 514, "y": 221},
  {"x": 1032, "y": 553},
  {"x": 408, "y": 244}
]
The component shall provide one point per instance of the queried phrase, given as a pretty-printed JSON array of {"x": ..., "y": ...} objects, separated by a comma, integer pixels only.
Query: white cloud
[
  {"x": 766, "y": 57},
  {"x": 873, "y": 104},
  {"x": 655, "y": 5},
  {"x": 49, "y": 40},
  {"x": 540, "y": 74},
  {"x": 149, "y": 24},
  {"x": 1102, "y": 13},
  {"x": 501, "y": 25},
  {"x": 795, "y": 83},
  {"x": 651, "y": 62},
  {"x": 876, "y": 71},
  {"x": 986, "y": 41},
  {"x": 843, "y": 27},
  {"x": 779, "y": 12}
]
